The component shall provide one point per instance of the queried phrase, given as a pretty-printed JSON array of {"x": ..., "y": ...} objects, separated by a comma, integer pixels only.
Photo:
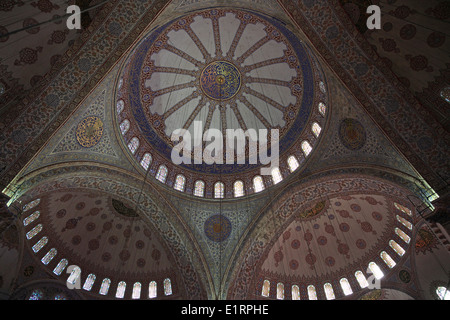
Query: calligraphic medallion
[
  {"x": 220, "y": 80},
  {"x": 89, "y": 131}
]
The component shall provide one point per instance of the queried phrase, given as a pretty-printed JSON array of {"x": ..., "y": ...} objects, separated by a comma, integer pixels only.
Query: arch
[
  {"x": 219, "y": 190},
  {"x": 152, "y": 289},
  {"x": 316, "y": 129},
  {"x": 306, "y": 147},
  {"x": 292, "y": 163},
  {"x": 199, "y": 188},
  {"x": 89, "y": 282},
  {"x": 133, "y": 145},
  {"x": 167, "y": 287},
  {"x": 258, "y": 184},
  {"x": 124, "y": 126},
  {"x": 180, "y": 181},
  {"x": 121, "y": 287},
  {"x": 276, "y": 175},
  {"x": 161, "y": 175},
  {"x": 104, "y": 288},
  {"x": 146, "y": 161},
  {"x": 238, "y": 188}
]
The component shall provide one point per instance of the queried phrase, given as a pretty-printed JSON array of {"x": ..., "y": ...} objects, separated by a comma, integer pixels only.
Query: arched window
[
  {"x": 361, "y": 278},
  {"x": 387, "y": 259},
  {"x": 312, "y": 295},
  {"x": 136, "y": 291},
  {"x": 32, "y": 217},
  {"x": 120, "y": 105},
  {"x": 199, "y": 188},
  {"x": 403, "y": 208},
  {"x": 120, "y": 293},
  {"x": 306, "y": 147},
  {"x": 146, "y": 161},
  {"x": 89, "y": 282},
  {"x": 443, "y": 293},
  {"x": 30, "y": 234},
  {"x": 104, "y": 288},
  {"x": 49, "y": 256},
  {"x": 31, "y": 205},
  {"x": 402, "y": 235},
  {"x": 376, "y": 271},
  {"x": 322, "y": 87},
  {"x": 322, "y": 108},
  {"x": 445, "y": 94},
  {"x": 280, "y": 291},
  {"x": 40, "y": 244},
  {"x": 219, "y": 190},
  {"x": 404, "y": 222},
  {"x": 292, "y": 163},
  {"x": 59, "y": 296},
  {"x": 133, "y": 145},
  {"x": 74, "y": 275},
  {"x": 152, "y": 290},
  {"x": 124, "y": 126},
  {"x": 345, "y": 285},
  {"x": 397, "y": 248},
  {"x": 316, "y": 129},
  {"x": 329, "y": 292},
  {"x": 60, "y": 267},
  {"x": 265, "y": 288},
  {"x": 167, "y": 287},
  {"x": 295, "y": 292},
  {"x": 179, "y": 183},
  {"x": 258, "y": 184},
  {"x": 238, "y": 188},
  {"x": 161, "y": 175},
  {"x": 36, "y": 295},
  {"x": 276, "y": 175}
]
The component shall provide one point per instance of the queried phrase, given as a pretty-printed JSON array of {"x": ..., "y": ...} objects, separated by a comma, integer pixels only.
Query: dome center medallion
[{"x": 220, "y": 80}]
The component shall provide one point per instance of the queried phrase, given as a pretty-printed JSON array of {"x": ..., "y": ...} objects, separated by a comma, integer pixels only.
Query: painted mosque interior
[{"x": 93, "y": 206}]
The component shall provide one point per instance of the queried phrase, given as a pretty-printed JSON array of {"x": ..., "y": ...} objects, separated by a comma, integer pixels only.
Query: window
[
  {"x": 199, "y": 189},
  {"x": 89, "y": 282},
  {"x": 404, "y": 222},
  {"x": 105, "y": 286},
  {"x": 312, "y": 293},
  {"x": 361, "y": 279},
  {"x": 31, "y": 218},
  {"x": 36, "y": 295},
  {"x": 322, "y": 108},
  {"x": 60, "y": 267},
  {"x": 167, "y": 287},
  {"x": 276, "y": 175},
  {"x": 266, "y": 288},
  {"x": 316, "y": 129},
  {"x": 161, "y": 175},
  {"x": 179, "y": 183},
  {"x": 322, "y": 87},
  {"x": 280, "y": 291},
  {"x": 34, "y": 231},
  {"x": 387, "y": 259},
  {"x": 136, "y": 291},
  {"x": 443, "y": 293},
  {"x": 74, "y": 275},
  {"x": 146, "y": 161},
  {"x": 120, "y": 105},
  {"x": 402, "y": 208},
  {"x": 133, "y": 145},
  {"x": 402, "y": 235},
  {"x": 40, "y": 244},
  {"x": 295, "y": 292},
  {"x": 120, "y": 293},
  {"x": 31, "y": 205},
  {"x": 306, "y": 147},
  {"x": 152, "y": 290},
  {"x": 124, "y": 126},
  {"x": 397, "y": 248},
  {"x": 49, "y": 256},
  {"x": 329, "y": 292},
  {"x": 345, "y": 285},
  {"x": 445, "y": 94},
  {"x": 238, "y": 189},
  {"x": 258, "y": 184},
  {"x": 219, "y": 190},
  {"x": 376, "y": 270},
  {"x": 292, "y": 163}
]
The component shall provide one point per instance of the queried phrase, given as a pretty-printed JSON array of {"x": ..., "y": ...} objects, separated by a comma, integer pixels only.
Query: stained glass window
[
  {"x": 345, "y": 285},
  {"x": 152, "y": 290},
  {"x": 238, "y": 189},
  {"x": 32, "y": 217},
  {"x": 179, "y": 183},
  {"x": 280, "y": 291},
  {"x": 120, "y": 105},
  {"x": 133, "y": 145},
  {"x": 219, "y": 190},
  {"x": 316, "y": 129},
  {"x": 312, "y": 295},
  {"x": 329, "y": 292},
  {"x": 403, "y": 208},
  {"x": 292, "y": 163},
  {"x": 146, "y": 161},
  {"x": 199, "y": 189},
  {"x": 136, "y": 291},
  {"x": 30, "y": 234},
  {"x": 397, "y": 248},
  {"x": 49, "y": 256},
  {"x": 443, "y": 293},
  {"x": 104, "y": 288},
  {"x": 60, "y": 296},
  {"x": 322, "y": 87},
  {"x": 387, "y": 259},
  {"x": 161, "y": 175},
  {"x": 445, "y": 94},
  {"x": 258, "y": 184},
  {"x": 402, "y": 235},
  {"x": 306, "y": 147},
  {"x": 89, "y": 282},
  {"x": 40, "y": 244},
  {"x": 361, "y": 278},
  {"x": 124, "y": 126},
  {"x": 36, "y": 295},
  {"x": 167, "y": 287},
  {"x": 322, "y": 108},
  {"x": 265, "y": 288},
  {"x": 74, "y": 275},
  {"x": 376, "y": 271},
  {"x": 120, "y": 293},
  {"x": 31, "y": 205},
  {"x": 60, "y": 267},
  {"x": 404, "y": 222},
  {"x": 276, "y": 175},
  {"x": 295, "y": 292}
]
